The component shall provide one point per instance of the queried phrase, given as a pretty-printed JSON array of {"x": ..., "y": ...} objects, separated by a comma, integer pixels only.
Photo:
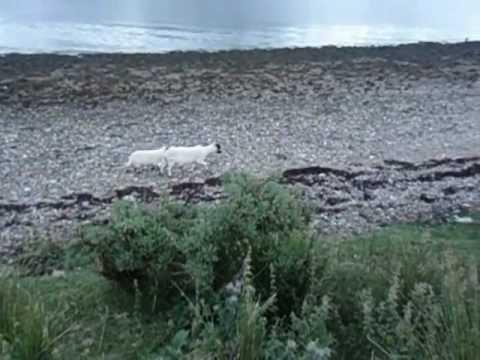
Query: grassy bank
[{"x": 246, "y": 278}]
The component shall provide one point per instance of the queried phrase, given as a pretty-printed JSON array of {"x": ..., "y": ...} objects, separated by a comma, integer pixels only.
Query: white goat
[
  {"x": 189, "y": 154},
  {"x": 148, "y": 157}
]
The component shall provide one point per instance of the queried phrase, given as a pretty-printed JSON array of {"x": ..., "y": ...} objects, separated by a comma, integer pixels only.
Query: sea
[{"x": 155, "y": 26}]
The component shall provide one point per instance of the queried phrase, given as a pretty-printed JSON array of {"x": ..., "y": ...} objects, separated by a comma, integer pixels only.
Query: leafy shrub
[
  {"x": 43, "y": 255},
  {"x": 142, "y": 250},
  {"x": 305, "y": 336},
  {"x": 267, "y": 217},
  {"x": 199, "y": 249},
  {"x": 237, "y": 329}
]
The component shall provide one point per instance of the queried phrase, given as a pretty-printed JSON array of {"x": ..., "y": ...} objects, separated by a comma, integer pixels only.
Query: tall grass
[
  {"x": 455, "y": 333},
  {"x": 27, "y": 330}
]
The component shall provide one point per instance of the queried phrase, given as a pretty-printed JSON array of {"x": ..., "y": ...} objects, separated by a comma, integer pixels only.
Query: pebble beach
[{"x": 68, "y": 123}]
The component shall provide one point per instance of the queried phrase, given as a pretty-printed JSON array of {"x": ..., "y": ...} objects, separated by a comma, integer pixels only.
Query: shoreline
[
  {"x": 69, "y": 123},
  {"x": 27, "y": 80},
  {"x": 213, "y": 51}
]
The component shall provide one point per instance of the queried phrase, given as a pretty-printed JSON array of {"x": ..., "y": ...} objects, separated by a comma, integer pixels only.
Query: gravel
[{"x": 269, "y": 114}]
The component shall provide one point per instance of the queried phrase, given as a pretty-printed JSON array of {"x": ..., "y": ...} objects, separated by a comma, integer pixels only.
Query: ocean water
[{"x": 79, "y": 26}]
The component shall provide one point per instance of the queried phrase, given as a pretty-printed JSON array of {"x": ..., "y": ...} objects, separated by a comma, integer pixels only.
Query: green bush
[
  {"x": 267, "y": 217},
  {"x": 144, "y": 250},
  {"x": 237, "y": 329},
  {"x": 180, "y": 248},
  {"x": 42, "y": 255}
]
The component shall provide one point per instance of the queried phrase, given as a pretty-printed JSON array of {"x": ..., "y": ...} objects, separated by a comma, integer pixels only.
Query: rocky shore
[{"x": 372, "y": 135}]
